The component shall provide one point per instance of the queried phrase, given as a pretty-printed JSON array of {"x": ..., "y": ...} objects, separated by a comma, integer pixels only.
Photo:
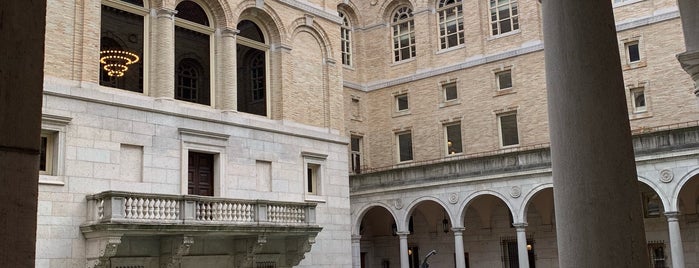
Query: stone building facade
[
  {"x": 222, "y": 133},
  {"x": 193, "y": 134},
  {"x": 450, "y": 145}
]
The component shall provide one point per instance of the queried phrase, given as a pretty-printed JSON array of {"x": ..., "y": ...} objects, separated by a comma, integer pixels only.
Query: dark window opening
[
  {"x": 508, "y": 130},
  {"x": 123, "y": 32},
  {"x": 193, "y": 66},
  {"x": 191, "y": 11},
  {"x": 634, "y": 53},
  {"x": 405, "y": 147},
  {"x": 252, "y": 70}
]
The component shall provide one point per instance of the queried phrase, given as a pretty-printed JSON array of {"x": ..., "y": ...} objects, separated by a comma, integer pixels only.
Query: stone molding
[
  {"x": 107, "y": 247},
  {"x": 246, "y": 259},
  {"x": 313, "y": 10}
]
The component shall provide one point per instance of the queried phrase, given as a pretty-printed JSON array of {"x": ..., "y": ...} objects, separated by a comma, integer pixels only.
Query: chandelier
[{"x": 116, "y": 61}]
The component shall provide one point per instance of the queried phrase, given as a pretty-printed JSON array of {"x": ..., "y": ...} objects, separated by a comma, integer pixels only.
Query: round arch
[
  {"x": 415, "y": 203},
  {"x": 214, "y": 9},
  {"x": 387, "y": 8},
  {"x": 265, "y": 17},
  {"x": 522, "y": 215},
  {"x": 299, "y": 25},
  {"x": 663, "y": 198},
  {"x": 349, "y": 10},
  {"x": 467, "y": 201},
  {"x": 675, "y": 196},
  {"x": 366, "y": 208}
]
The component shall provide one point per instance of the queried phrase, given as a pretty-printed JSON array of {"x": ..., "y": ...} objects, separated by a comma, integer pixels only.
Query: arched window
[
  {"x": 346, "y": 39},
  {"x": 193, "y": 53},
  {"x": 252, "y": 69},
  {"x": 403, "y": 34},
  {"x": 451, "y": 23},
  {"x": 504, "y": 16},
  {"x": 121, "y": 44},
  {"x": 189, "y": 81}
]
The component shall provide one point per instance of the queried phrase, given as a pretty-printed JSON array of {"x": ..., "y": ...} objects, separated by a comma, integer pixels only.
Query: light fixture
[
  {"x": 116, "y": 61},
  {"x": 445, "y": 224},
  {"x": 529, "y": 247}
]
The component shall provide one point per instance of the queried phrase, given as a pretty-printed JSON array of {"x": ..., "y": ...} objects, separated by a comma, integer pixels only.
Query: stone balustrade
[{"x": 145, "y": 208}]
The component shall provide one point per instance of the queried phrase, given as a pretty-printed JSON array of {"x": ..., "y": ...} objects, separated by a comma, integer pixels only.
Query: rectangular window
[
  {"x": 312, "y": 178},
  {"x": 356, "y": 154},
  {"x": 656, "y": 252},
  {"x": 405, "y": 146},
  {"x": 402, "y": 102},
  {"x": 508, "y": 129},
  {"x": 121, "y": 45},
  {"x": 47, "y": 151},
  {"x": 638, "y": 99},
  {"x": 633, "y": 53},
  {"x": 504, "y": 79},
  {"x": 356, "y": 112},
  {"x": 450, "y": 92},
  {"x": 652, "y": 206},
  {"x": 453, "y": 132}
]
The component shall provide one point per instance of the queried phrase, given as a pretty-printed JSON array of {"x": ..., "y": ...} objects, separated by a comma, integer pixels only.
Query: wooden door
[{"x": 201, "y": 174}]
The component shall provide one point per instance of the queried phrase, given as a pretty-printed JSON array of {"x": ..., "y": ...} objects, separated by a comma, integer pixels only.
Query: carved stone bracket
[
  {"x": 181, "y": 246},
  {"x": 246, "y": 259},
  {"x": 102, "y": 249},
  {"x": 303, "y": 246}
]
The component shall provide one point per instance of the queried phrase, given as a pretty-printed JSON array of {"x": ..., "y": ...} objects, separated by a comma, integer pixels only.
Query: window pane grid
[
  {"x": 405, "y": 147},
  {"x": 451, "y": 28},
  {"x": 346, "y": 40},
  {"x": 403, "y": 34},
  {"x": 503, "y": 16}
]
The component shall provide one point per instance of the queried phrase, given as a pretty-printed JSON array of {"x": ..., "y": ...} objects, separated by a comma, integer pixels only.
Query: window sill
[
  {"x": 314, "y": 198},
  {"x": 51, "y": 180},
  {"x": 453, "y": 155},
  {"x": 509, "y": 146},
  {"x": 400, "y": 113},
  {"x": 450, "y": 103},
  {"x": 348, "y": 67},
  {"x": 396, "y": 63},
  {"x": 503, "y": 92},
  {"x": 640, "y": 115},
  {"x": 450, "y": 49},
  {"x": 357, "y": 118},
  {"x": 634, "y": 65},
  {"x": 494, "y": 37}
]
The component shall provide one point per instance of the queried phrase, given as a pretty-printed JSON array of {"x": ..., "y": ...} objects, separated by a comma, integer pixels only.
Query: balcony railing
[{"x": 145, "y": 208}]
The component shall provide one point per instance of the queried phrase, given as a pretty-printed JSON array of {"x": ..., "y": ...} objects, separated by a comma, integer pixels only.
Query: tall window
[
  {"x": 503, "y": 16},
  {"x": 451, "y": 23},
  {"x": 346, "y": 40},
  {"x": 508, "y": 129},
  {"x": 356, "y": 154},
  {"x": 638, "y": 99},
  {"x": 450, "y": 91},
  {"x": 405, "y": 146},
  {"x": 656, "y": 252},
  {"x": 453, "y": 135},
  {"x": 252, "y": 69},
  {"x": 121, "y": 44},
  {"x": 192, "y": 53},
  {"x": 47, "y": 151},
  {"x": 403, "y": 34}
]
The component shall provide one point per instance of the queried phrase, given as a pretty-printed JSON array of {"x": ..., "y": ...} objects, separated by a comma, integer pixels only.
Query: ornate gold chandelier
[{"x": 116, "y": 61}]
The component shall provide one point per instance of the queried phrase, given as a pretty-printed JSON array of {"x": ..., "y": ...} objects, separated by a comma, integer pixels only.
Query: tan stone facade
[{"x": 655, "y": 25}]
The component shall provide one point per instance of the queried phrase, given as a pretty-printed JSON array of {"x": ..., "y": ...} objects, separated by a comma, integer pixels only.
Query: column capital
[
  {"x": 356, "y": 238},
  {"x": 672, "y": 215},
  {"x": 520, "y": 225},
  {"x": 164, "y": 12},
  {"x": 403, "y": 234},
  {"x": 229, "y": 32},
  {"x": 459, "y": 230}
]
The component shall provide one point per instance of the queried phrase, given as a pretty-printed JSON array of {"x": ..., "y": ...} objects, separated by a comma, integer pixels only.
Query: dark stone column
[
  {"x": 598, "y": 213},
  {"x": 22, "y": 31}
]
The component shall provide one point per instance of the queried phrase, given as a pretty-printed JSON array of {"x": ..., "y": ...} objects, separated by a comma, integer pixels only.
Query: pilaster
[
  {"x": 163, "y": 82},
  {"x": 227, "y": 93}
]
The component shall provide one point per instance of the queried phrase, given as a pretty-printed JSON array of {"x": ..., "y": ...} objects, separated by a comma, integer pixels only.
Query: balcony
[{"x": 260, "y": 226}]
